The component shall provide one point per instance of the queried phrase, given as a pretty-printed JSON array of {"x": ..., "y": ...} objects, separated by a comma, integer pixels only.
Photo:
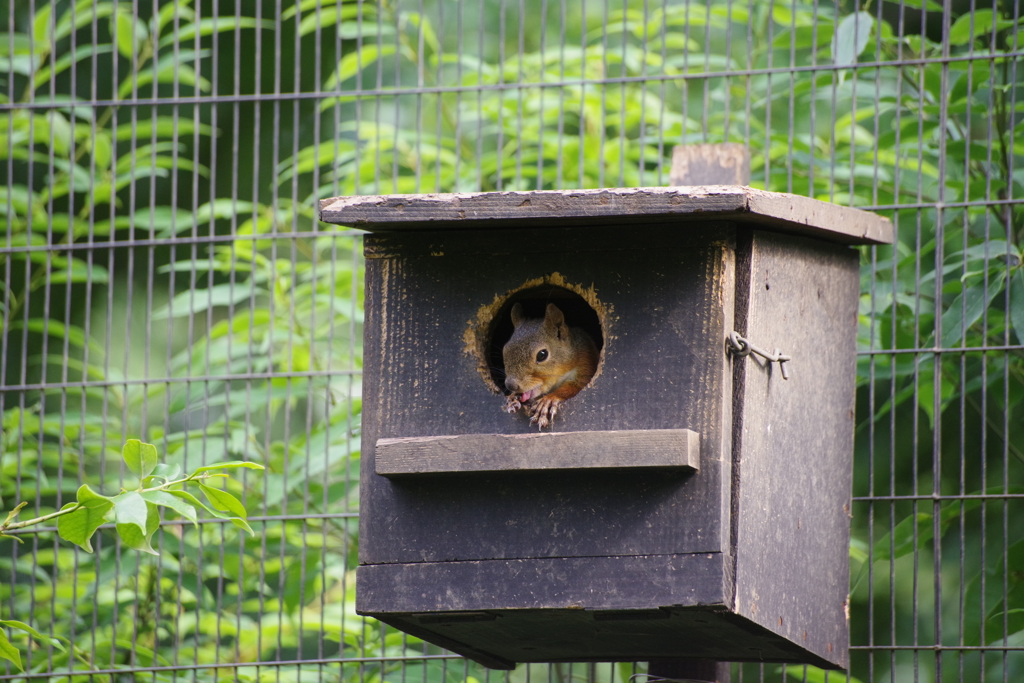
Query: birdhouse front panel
[{"x": 663, "y": 318}]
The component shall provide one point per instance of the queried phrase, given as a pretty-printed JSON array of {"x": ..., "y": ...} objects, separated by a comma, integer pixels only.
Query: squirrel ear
[
  {"x": 517, "y": 316},
  {"x": 553, "y": 316}
]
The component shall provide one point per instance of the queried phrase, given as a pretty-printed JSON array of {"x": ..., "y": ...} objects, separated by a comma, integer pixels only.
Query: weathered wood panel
[
  {"x": 794, "y": 441},
  {"x": 573, "y": 609},
  {"x": 591, "y": 583},
  {"x": 619, "y": 206},
  {"x": 654, "y": 448},
  {"x": 665, "y": 367},
  {"x": 725, "y": 163}
]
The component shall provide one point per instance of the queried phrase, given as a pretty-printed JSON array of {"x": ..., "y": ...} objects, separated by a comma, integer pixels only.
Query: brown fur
[{"x": 570, "y": 364}]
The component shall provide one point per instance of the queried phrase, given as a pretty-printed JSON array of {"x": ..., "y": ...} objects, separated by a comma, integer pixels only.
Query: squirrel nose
[{"x": 511, "y": 384}]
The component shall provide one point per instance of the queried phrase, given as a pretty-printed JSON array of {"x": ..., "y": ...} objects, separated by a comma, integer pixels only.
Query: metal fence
[{"x": 165, "y": 279}]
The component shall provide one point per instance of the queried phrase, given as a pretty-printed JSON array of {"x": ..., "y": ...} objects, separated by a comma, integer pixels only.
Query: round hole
[
  {"x": 488, "y": 334},
  {"x": 578, "y": 313}
]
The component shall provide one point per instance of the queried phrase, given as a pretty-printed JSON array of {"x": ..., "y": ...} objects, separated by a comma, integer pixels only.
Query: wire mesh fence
[{"x": 165, "y": 278}]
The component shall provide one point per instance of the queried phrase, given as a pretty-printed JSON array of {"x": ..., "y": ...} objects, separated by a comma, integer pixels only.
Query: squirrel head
[{"x": 539, "y": 353}]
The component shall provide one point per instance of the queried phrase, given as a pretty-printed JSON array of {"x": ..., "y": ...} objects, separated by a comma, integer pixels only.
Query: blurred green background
[{"x": 165, "y": 278}]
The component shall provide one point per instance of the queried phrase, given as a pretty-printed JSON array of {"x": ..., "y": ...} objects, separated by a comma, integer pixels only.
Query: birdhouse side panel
[{"x": 794, "y": 438}]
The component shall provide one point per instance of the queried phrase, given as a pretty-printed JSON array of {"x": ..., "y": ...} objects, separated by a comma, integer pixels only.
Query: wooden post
[
  {"x": 727, "y": 163},
  {"x": 702, "y": 670}
]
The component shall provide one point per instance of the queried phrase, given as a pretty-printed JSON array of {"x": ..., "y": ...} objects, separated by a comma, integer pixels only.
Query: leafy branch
[{"x": 135, "y": 513}]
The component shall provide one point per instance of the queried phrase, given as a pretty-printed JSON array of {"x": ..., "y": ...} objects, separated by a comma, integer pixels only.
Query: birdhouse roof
[{"x": 776, "y": 211}]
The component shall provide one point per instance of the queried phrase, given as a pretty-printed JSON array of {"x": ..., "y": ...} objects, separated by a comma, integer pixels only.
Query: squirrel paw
[
  {"x": 512, "y": 404},
  {"x": 543, "y": 413}
]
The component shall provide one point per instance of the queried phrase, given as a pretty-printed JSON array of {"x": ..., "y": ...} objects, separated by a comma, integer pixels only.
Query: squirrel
[{"x": 546, "y": 363}]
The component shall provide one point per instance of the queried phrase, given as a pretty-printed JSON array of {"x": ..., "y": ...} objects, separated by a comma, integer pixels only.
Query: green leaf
[
  {"x": 903, "y": 537},
  {"x": 41, "y": 32},
  {"x": 51, "y": 129},
  {"x": 186, "y": 496},
  {"x": 426, "y": 29},
  {"x": 79, "y": 526},
  {"x": 968, "y": 307},
  {"x": 91, "y": 499},
  {"x": 168, "y": 70},
  {"x": 22, "y": 626},
  {"x": 233, "y": 464},
  {"x": 975, "y": 24},
  {"x": 163, "y": 127},
  {"x": 224, "y": 501},
  {"x": 196, "y": 301},
  {"x": 8, "y": 651},
  {"x": 919, "y": 4},
  {"x": 209, "y": 26},
  {"x": 171, "y": 10},
  {"x": 130, "y": 510},
  {"x": 83, "y": 16},
  {"x": 75, "y": 335},
  {"x": 1000, "y": 585},
  {"x": 166, "y": 471},
  {"x": 812, "y": 674},
  {"x": 310, "y": 6},
  {"x": 851, "y": 38},
  {"x": 1017, "y": 303},
  {"x": 130, "y": 32},
  {"x": 44, "y": 75},
  {"x": 80, "y": 271},
  {"x": 354, "y": 62},
  {"x": 994, "y": 625},
  {"x": 165, "y": 499},
  {"x": 133, "y": 535},
  {"x": 136, "y": 520},
  {"x": 926, "y": 395},
  {"x": 140, "y": 457}
]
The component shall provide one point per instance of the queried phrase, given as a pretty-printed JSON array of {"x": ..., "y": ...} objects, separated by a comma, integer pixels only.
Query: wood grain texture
[
  {"x": 619, "y": 206},
  {"x": 655, "y": 448},
  {"x": 794, "y": 443},
  {"x": 725, "y": 163},
  {"x": 665, "y": 367},
  {"x": 572, "y": 609},
  {"x": 591, "y": 583}
]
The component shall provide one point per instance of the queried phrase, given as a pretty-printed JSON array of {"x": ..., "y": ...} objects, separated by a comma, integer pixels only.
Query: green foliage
[
  {"x": 135, "y": 513},
  {"x": 256, "y": 337},
  {"x": 283, "y": 317}
]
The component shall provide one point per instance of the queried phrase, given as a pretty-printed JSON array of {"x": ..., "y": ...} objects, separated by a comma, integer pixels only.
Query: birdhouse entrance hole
[{"x": 493, "y": 327}]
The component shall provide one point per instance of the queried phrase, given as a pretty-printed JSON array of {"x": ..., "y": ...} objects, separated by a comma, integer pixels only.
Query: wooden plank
[
  {"x": 618, "y": 206},
  {"x": 573, "y": 609},
  {"x": 577, "y": 635},
  {"x": 795, "y": 443},
  {"x": 646, "y": 582},
  {"x": 725, "y": 163},
  {"x": 653, "y": 448}
]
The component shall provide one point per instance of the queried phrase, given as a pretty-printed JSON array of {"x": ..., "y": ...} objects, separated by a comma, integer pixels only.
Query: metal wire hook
[{"x": 740, "y": 347}]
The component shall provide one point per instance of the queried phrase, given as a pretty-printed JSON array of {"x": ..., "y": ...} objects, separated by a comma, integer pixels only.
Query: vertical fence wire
[{"x": 165, "y": 278}]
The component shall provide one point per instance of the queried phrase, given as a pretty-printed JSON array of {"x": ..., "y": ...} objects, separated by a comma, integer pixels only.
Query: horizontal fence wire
[
  {"x": 513, "y": 86},
  {"x": 165, "y": 278}
]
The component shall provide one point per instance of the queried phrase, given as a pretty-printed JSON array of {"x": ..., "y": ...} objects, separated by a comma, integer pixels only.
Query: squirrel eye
[{"x": 542, "y": 355}]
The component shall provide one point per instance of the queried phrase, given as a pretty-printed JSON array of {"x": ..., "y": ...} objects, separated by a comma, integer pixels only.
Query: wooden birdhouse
[{"x": 690, "y": 502}]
